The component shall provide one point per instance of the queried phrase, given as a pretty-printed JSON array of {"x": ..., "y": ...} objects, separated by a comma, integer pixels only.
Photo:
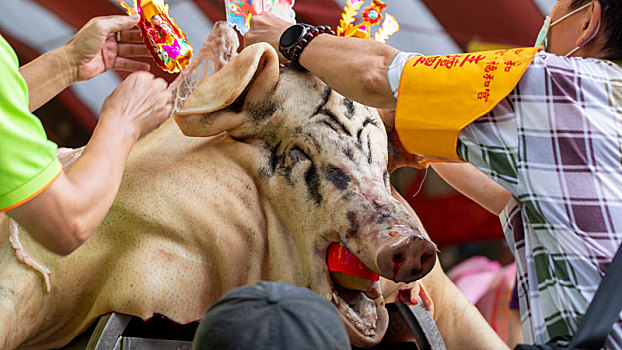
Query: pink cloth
[{"x": 489, "y": 287}]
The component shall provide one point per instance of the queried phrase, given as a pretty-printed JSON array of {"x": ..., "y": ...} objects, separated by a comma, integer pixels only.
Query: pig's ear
[{"x": 216, "y": 105}]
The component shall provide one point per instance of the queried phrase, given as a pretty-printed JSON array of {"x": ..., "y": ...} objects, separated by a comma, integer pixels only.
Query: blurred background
[{"x": 459, "y": 226}]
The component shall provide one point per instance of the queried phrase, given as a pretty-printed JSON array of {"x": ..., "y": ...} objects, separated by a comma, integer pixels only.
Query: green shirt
[{"x": 28, "y": 162}]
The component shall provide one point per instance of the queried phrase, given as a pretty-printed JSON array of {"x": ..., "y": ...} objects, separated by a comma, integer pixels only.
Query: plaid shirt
[{"x": 556, "y": 144}]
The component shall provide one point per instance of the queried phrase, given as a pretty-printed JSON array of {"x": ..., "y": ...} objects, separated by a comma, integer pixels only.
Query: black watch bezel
[{"x": 291, "y": 37}]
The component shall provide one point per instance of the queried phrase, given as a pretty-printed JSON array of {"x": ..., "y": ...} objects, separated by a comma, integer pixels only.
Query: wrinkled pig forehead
[
  {"x": 329, "y": 124},
  {"x": 310, "y": 103},
  {"x": 308, "y": 94}
]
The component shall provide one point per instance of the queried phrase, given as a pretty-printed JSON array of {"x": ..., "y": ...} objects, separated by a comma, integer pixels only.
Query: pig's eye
[{"x": 297, "y": 155}]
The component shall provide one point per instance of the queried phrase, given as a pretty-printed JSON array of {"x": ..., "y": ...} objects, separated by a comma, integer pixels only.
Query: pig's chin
[{"x": 363, "y": 313}]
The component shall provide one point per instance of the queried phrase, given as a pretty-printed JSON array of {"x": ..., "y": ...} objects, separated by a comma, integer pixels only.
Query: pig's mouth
[
  {"x": 365, "y": 317},
  {"x": 361, "y": 308}
]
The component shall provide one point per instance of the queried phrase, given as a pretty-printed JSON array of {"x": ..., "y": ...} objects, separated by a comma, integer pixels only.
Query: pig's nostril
[
  {"x": 427, "y": 263},
  {"x": 407, "y": 260},
  {"x": 427, "y": 258},
  {"x": 398, "y": 258}
]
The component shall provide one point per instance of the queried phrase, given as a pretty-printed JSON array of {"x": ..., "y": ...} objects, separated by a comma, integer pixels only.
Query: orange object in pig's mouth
[
  {"x": 341, "y": 259},
  {"x": 357, "y": 296}
]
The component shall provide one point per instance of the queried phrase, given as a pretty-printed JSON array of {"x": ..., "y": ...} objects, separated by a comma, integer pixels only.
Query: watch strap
[{"x": 293, "y": 52}]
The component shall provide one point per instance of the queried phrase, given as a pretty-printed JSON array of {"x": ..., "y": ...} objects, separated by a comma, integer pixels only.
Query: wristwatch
[{"x": 291, "y": 37}]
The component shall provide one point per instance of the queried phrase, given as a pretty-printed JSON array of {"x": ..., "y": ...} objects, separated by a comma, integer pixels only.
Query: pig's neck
[{"x": 189, "y": 223}]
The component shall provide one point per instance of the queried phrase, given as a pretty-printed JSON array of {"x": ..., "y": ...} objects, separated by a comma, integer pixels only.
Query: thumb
[{"x": 119, "y": 23}]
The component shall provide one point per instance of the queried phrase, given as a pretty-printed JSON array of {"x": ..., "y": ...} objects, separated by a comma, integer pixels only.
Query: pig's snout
[{"x": 408, "y": 259}]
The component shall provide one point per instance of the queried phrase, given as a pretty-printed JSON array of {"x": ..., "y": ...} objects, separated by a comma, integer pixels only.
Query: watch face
[{"x": 291, "y": 36}]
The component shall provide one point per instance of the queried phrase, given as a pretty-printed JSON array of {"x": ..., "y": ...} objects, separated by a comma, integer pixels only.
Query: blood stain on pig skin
[
  {"x": 315, "y": 142},
  {"x": 398, "y": 261},
  {"x": 164, "y": 255}
]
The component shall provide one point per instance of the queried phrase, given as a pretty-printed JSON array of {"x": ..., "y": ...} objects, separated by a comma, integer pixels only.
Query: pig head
[
  {"x": 280, "y": 166},
  {"x": 322, "y": 165}
]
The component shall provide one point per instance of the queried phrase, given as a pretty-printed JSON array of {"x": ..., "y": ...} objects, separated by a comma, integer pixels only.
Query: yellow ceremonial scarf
[{"x": 440, "y": 95}]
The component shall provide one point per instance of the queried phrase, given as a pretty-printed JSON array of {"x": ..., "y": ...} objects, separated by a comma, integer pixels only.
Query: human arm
[
  {"x": 70, "y": 209},
  {"x": 461, "y": 325},
  {"x": 474, "y": 184},
  {"x": 357, "y": 68},
  {"x": 91, "y": 51}
]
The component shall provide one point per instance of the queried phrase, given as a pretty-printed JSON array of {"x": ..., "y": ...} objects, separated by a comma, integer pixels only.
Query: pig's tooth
[
  {"x": 336, "y": 298},
  {"x": 379, "y": 300},
  {"x": 368, "y": 312}
]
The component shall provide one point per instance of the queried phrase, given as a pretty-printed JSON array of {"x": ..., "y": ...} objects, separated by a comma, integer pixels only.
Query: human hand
[
  {"x": 139, "y": 104},
  {"x": 407, "y": 293},
  {"x": 398, "y": 156},
  {"x": 266, "y": 27},
  {"x": 94, "y": 49}
]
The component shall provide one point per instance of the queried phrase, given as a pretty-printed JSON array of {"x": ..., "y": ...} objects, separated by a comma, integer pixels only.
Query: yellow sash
[{"x": 440, "y": 95}]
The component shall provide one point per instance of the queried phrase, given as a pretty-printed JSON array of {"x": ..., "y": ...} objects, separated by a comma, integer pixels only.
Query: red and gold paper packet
[{"x": 166, "y": 42}]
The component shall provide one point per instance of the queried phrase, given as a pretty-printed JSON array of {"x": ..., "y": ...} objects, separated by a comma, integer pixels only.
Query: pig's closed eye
[{"x": 297, "y": 155}]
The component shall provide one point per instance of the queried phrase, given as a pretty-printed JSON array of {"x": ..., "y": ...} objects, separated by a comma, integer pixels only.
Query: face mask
[{"x": 542, "y": 39}]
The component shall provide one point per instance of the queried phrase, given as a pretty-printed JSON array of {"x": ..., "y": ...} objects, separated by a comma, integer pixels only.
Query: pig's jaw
[
  {"x": 366, "y": 319},
  {"x": 360, "y": 312},
  {"x": 363, "y": 312}
]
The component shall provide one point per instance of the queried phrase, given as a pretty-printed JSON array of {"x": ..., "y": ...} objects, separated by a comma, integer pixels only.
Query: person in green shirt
[{"x": 61, "y": 208}]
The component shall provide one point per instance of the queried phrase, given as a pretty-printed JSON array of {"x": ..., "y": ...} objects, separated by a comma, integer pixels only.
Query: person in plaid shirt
[{"x": 553, "y": 147}]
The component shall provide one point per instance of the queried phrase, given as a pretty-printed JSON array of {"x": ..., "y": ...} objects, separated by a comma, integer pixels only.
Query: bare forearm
[
  {"x": 471, "y": 182},
  {"x": 356, "y": 68},
  {"x": 68, "y": 212},
  {"x": 47, "y": 76},
  {"x": 97, "y": 174}
]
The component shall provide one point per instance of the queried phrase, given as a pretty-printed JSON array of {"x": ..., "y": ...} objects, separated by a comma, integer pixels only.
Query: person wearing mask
[{"x": 547, "y": 131}]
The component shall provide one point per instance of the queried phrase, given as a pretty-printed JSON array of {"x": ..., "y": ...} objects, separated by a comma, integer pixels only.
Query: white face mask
[{"x": 542, "y": 39}]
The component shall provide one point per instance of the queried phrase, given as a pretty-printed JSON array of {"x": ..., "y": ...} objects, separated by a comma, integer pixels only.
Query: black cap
[{"x": 271, "y": 316}]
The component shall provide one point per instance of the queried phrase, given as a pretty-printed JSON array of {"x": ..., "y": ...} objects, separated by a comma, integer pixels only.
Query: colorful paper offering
[
  {"x": 239, "y": 12},
  {"x": 372, "y": 16},
  {"x": 166, "y": 42}
]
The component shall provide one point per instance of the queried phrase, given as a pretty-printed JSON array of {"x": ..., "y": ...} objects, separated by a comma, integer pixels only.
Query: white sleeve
[{"x": 395, "y": 69}]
